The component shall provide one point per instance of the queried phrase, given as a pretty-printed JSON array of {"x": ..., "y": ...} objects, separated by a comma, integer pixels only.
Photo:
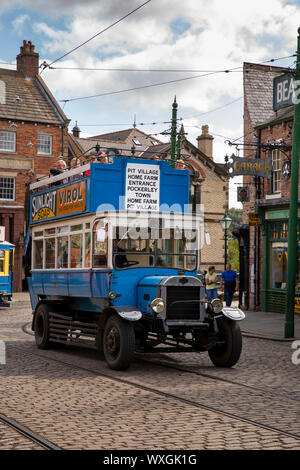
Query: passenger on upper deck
[
  {"x": 101, "y": 157},
  {"x": 180, "y": 165},
  {"x": 75, "y": 163},
  {"x": 60, "y": 167}
]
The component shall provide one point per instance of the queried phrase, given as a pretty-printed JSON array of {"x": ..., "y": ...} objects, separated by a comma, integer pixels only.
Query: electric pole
[{"x": 293, "y": 213}]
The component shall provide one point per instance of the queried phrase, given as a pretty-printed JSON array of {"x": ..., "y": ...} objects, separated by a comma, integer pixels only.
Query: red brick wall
[{"x": 14, "y": 218}]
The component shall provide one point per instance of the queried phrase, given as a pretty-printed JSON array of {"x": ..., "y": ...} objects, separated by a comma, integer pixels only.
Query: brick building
[
  {"x": 33, "y": 133},
  {"x": 209, "y": 180},
  {"x": 263, "y": 249}
]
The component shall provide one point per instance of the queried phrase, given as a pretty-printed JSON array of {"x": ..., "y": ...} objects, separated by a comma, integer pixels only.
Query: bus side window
[
  {"x": 50, "y": 253},
  {"x": 76, "y": 250},
  {"x": 62, "y": 252},
  {"x": 87, "y": 248},
  {"x": 100, "y": 245},
  {"x": 38, "y": 254},
  {"x": 2, "y": 256}
]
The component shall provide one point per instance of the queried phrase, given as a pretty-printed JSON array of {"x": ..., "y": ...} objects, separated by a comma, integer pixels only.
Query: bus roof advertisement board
[
  {"x": 142, "y": 187},
  {"x": 58, "y": 202}
]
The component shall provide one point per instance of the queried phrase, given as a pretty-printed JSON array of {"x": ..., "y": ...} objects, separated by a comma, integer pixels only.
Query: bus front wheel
[
  {"x": 227, "y": 353},
  {"x": 118, "y": 342}
]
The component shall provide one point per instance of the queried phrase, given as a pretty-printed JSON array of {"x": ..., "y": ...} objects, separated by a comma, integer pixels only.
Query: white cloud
[
  {"x": 220, "y": 35},
  {"x": 18, "y": 23}
]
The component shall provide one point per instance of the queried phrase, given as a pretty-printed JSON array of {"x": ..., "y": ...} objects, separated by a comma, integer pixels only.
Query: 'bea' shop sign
[
  {"x": 142, "y": 187},
  {"x": 283, "y": 91}
]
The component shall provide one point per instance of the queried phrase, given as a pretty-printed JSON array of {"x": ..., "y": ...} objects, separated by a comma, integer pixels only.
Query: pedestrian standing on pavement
[
  {"x": 210, "y": 284},
  {"x": 228, "y": 279}
]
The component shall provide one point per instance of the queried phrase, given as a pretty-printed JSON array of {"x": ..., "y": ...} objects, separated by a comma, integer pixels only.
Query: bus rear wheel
[
  {"x": 41, "y": 327},
  {"x": 228, "y": 352},
  {"x": 118, "y": 343}
]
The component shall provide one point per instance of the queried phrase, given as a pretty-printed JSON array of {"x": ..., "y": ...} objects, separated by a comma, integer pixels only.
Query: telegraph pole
[
  {"x": 173, "y": 133},
  {"x": 293, "y": 214}
]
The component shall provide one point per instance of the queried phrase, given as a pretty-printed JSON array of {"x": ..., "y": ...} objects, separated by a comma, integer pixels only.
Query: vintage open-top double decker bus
[{"x": 114, "y": 263}]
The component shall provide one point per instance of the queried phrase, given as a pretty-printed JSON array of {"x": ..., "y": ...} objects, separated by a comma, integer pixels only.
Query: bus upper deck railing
[{"x": 66, "y": 175}]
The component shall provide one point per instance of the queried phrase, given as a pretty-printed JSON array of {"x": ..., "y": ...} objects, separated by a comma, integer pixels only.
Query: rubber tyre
[
  {"x": 118, "y": 342},
  {"x": 41, "y": 326},
  {"x": 228, "y": 354}
]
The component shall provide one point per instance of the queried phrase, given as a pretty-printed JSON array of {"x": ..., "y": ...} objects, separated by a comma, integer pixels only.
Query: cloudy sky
[{"x": 194, "y": 37}]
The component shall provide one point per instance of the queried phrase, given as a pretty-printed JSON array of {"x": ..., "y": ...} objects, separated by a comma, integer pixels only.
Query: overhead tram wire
[
  {"x": 111, "y": 69},
  {"x": 129, "y": 123},
  {"x": 215, "y": 109},
  {"x": 89, "y": 69},
  {"x": 143, "y": 86},
  {"x": 166, "y": 82},
  {"x": 98, "y": 34}
]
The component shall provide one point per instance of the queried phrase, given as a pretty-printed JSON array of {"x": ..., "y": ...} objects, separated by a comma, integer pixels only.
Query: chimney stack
[
  {"x": 28, "y": 60},
  {"x": 205, "y": 142}
]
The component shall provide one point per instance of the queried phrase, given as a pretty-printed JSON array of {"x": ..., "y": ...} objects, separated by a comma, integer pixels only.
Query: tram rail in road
[
  {"x": 36, "y": 438},
  {"x": 168, "y": 395}
]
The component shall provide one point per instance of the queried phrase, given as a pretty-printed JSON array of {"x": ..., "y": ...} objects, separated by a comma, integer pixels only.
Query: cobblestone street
[{"x": 71, "y": 398}]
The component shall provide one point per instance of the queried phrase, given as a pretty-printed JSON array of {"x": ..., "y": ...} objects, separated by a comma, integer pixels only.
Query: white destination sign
[{"x": 142, "y": 187}]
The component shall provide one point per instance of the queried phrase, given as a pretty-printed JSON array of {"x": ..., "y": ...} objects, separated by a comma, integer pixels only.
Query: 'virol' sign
[
  {"x": 283, "y": 91},
  {"x": 65, "y": 201}
]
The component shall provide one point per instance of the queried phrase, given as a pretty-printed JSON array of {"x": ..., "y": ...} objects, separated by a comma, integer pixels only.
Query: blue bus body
[{"x": 115, "y": 256}]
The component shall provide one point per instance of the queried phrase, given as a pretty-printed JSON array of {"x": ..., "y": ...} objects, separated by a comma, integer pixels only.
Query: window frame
[
  {"x": 2, "y": 149},
  {"x": 41, "y": 152},
  {"x": 45, "y": 231},
  {"x": 13, "y": 189},
  {"x": 276, "y": 172}
]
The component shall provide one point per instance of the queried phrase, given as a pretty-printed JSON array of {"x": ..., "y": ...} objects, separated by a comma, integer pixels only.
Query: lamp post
[{"x": 225, "y": 223}]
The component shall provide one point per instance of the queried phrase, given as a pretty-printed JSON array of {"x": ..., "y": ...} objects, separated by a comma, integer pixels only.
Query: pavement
[{"x": 268, "y": 325}]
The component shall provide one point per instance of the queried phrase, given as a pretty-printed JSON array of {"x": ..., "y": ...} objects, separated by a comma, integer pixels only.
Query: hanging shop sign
[
  {"x": 297, "y": 305},
  {"x": 283, "y": 91},
  {"x": 250, "y": 166},
  {"x": 53, "y": 203},
  {"x": 243, "y": 194},
  {"x": 253, "y": 219},
  {"x": 286, "y": 169}
]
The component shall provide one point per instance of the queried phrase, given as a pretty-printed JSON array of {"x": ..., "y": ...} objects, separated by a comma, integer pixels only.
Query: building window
[
  {"x": 136, "y": 141},
  {"x": 7, "y": 188},
  {"x": 7, "y": 141},
  {"x": 276, "y": 171},
  {"x": 45, "y": 144}
]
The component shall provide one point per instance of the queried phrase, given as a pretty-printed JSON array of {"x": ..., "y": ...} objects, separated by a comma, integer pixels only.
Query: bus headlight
[
  {"x": 158, "y": 305},
  {"x": 112, "y": 295},
  {"x": 216, "y": 305}
]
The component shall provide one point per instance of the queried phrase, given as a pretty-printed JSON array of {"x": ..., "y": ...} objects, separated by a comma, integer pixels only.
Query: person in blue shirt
[{"x": 228, "y": 279}]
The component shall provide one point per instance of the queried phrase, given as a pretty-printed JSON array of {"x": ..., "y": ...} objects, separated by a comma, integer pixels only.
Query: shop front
[{"x": 275, "y": 260}]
